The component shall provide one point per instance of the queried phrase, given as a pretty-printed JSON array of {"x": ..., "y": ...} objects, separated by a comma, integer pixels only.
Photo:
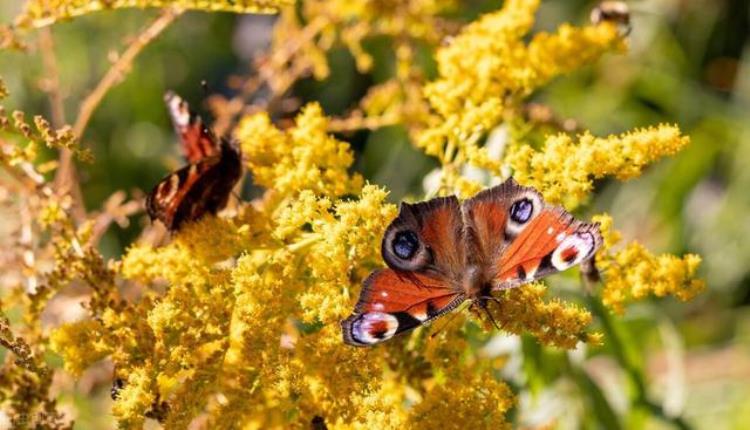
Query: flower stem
[{"x": 632, "y": 370}]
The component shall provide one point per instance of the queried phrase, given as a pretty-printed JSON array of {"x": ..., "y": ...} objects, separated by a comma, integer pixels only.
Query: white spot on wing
[
  {"x": 583, "y": 243},
  {"x": 560, "y": 236},
  {"x": 550, "y": 230},
  {"x": 384, "y": 294},
  {"x": 366, "y": 323}
]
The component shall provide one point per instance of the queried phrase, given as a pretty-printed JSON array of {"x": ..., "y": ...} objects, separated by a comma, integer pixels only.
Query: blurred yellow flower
[{"x": 633, "y": 272}]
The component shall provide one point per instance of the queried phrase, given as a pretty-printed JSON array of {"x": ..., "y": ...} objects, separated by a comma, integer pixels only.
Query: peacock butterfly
[
  {"x": 204, "y": 185},
  {"x": 441, "y": 253}
]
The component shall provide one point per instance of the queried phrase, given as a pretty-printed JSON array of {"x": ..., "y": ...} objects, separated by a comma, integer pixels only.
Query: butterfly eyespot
[
  {"x": 521, "y": 210},
  {"x": 405, "y": 244}
]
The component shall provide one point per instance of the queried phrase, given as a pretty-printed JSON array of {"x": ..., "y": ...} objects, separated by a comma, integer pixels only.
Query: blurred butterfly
[
  {"x": 616, "y": 12},
  {"x": 204, "y": 185},
  {"x": 441, "y": 253}
]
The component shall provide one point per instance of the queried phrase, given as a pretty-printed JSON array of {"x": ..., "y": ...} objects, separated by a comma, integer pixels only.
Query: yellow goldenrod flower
[
  {"x": 474, "y": 401},
  {"x": 554, "y": 322},
  {"x": 633, "y": 272},
  {"x": 488, "y": 69},
  {"x": 81, "y": 344},
  {"x": 563, "y": 169},
  {"x": 305, "y": 157}
]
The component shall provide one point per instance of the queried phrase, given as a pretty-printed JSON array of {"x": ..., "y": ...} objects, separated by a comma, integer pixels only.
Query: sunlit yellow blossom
[
  {"x": 489, "y": 68},
  {"x": 552, "y": 322},
  {"x": 38, "y": 13},
  {"x": 633, "y": 272},
  {"x": 82, "y": 344},
  {"x": 304, "y": 157},
  {"x": 563, "y": 169},
  {"x": 135, "y": 398},
  {"x": 474, "y": 401}
]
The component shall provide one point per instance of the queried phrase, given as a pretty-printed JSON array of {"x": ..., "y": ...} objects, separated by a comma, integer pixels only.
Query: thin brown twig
[
  {"x": 267, "y": 72},
  {"x": 121, "y": 67},
  {"x": 66, "y": 177}
]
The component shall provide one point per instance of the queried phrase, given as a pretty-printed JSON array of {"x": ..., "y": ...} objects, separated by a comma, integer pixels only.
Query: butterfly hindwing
[
  {"x": 204, "y": 185},
  {"x": 196, "y": 189},
  {"x": 395, "y": 302}
]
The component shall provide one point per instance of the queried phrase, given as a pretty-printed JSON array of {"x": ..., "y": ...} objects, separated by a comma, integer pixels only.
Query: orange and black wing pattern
[
  {"x": 205, "y": 184},
  {"x": 518, "y": 238},
  {"x": 196, "y": 140},
  {"x": 394, "y": 302},
  {"x": 424, "y": 250}
]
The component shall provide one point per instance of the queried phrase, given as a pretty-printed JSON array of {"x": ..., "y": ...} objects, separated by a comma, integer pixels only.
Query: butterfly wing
[
  {"x": 427, "y": 237},
  {"x": 424, "y": 250},
  {"x": 395, "y": 302},
  {"x": 196, "y": 189},
  {"x": 518, "y": 238},
  {"x": 196, "y": 140}
]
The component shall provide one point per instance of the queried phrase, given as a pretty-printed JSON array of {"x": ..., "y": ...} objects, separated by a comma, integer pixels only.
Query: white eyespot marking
[
  {"x": 374, "y": 327},
  {"x": 560, "y": 236},
  {"x": 550, "y": 230},
  {"x": 384, "y": 293},
  {"x": 572, "y": 250},
  {"x": 378, "y": 306}
]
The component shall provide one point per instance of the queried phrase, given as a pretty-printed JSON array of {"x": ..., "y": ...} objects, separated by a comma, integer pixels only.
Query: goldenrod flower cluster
[
  {"x": 236, "y": 322},
  {"x": 304, "y": 159},
  {"x": 633, "y": 272},
  {"x": 564, "y": 169},
  {"x": 489, "y": 68}
]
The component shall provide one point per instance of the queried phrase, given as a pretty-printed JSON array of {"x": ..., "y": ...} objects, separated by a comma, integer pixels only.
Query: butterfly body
[
  {"x": 441, "y": 253},
  {"x": 205, "y": 184}
]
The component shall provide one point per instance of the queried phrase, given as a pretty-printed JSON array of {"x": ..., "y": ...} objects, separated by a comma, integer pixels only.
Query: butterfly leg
[{"x": 481, "y": 303}]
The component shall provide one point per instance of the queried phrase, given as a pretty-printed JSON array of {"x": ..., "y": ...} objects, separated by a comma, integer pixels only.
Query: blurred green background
[{"x": 688, "y": 64}]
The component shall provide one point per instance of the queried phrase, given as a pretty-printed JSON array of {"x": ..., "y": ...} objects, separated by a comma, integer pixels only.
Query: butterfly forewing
[
  {"x": 536, "y": 239},
  {"x": 423, "y": 248},
  {"x": 427, "y": 237},
  {"x": 196, "y": 140}
]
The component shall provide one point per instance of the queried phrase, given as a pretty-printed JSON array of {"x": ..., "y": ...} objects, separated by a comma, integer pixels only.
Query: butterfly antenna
[
  {"x": 489, "y": 315},
  {"x": 483, "y": 306},
  {"x": 204, "y": 86}
]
